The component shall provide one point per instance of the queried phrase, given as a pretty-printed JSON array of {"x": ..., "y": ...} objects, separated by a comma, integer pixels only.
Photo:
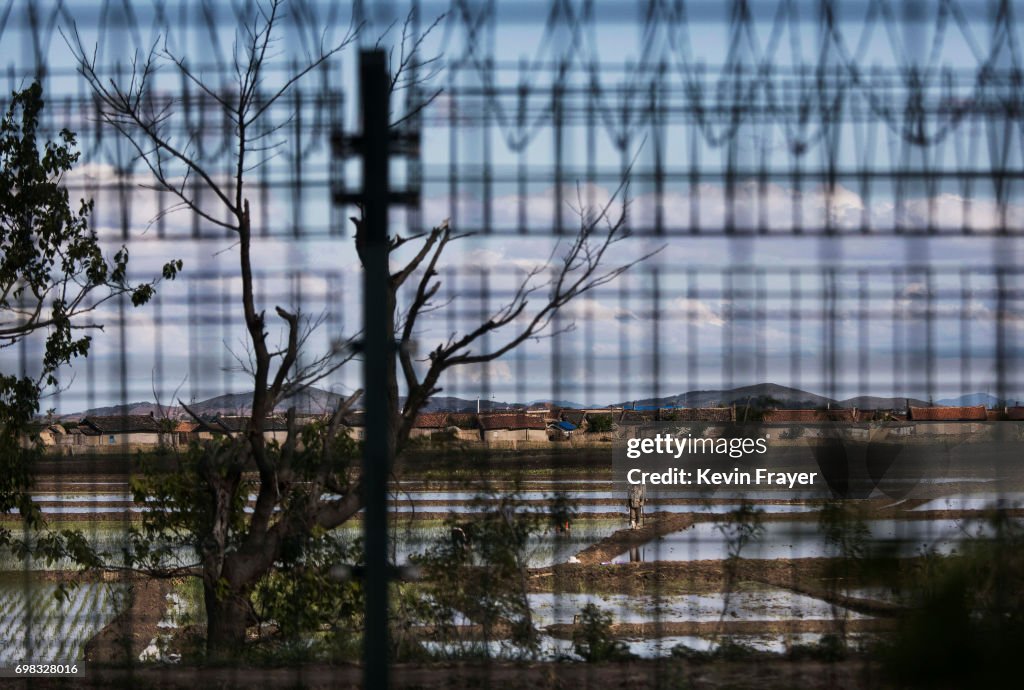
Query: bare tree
[
  {"x": 539, "y": 296},
  {"x": 303, "y": 488}
]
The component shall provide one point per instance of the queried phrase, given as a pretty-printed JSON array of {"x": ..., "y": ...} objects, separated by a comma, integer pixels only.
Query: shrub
[
  {"x": 967, "y": 627},
  {"x": 593, "y": 640}
]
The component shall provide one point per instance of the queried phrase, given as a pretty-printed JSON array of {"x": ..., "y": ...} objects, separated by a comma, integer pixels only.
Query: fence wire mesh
[{"x": 818, "y": 205}]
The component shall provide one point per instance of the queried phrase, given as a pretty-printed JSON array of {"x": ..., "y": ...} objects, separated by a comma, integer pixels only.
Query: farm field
[
  {"x": 677, "y": 586},
  {"x": 37, "y": 626}
]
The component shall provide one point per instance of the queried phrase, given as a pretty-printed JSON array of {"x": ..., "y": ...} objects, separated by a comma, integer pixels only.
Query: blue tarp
[{"x": 566, "y": 426}]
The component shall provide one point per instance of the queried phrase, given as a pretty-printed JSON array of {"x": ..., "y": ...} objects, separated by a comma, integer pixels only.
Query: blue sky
[{"x": 719, "y": 311}]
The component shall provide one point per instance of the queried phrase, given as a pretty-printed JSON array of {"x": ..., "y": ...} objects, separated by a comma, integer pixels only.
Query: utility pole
[{"x": 378, "y": 355}]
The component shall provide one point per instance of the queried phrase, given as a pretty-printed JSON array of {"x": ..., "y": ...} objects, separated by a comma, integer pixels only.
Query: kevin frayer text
[{"x": 706, "y": 477}]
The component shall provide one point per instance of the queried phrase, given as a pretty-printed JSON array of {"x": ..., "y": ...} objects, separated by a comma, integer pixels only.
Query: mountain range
[
  {"x": 315, "y": 400},
  {"x": 974, "y": 399},
  {"x": 764, "y": 394},
  {"x": 311, "y": 401}
]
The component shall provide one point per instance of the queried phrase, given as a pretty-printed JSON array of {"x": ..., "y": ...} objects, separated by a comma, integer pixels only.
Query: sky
[{"x": 858, "y": 303}]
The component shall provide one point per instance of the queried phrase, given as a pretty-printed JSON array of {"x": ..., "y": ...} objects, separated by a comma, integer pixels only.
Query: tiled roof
[
  {"x": 123, "y": 424},
  {"x": 573, "y": 416},
  {"x": 795, "y": 416},
  {"x": 353, "y": 419},
  {"x": 463, "y": 420},
  {"x": 637, "y": 416},
  {"x": 1015, "y": 414},
  {"x": 183, "y": 427},
  {"x": 431, "y": 420},
  {"x": 840, "y": 415},
  {"x": 810, "y": 416},
  {"x": 231, "y": 423},
  {"x": 510, "y": 421},
  {"x": 239, "y": 424},
  {"x": 976, "y": 413}
]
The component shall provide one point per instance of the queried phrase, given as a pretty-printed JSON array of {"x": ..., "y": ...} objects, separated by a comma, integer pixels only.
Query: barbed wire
[{"x": 829, "y": 96}]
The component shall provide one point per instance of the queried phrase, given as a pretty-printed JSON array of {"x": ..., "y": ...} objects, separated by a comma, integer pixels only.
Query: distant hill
[
  {"x": 874, "y": 402},
  {"x": 558, "y": 403},
  {"x": 316, "y": 401},
  {"x": 135, "y": 408},
  {"x": 452, "y": 404},
  {"x": 972, "y": 399},
  {"x": 310, "y": 401},
  {"x": 792, "y": 398}
]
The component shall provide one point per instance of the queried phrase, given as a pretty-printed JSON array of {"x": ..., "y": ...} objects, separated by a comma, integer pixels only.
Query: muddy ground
[
  {"x": 821, "y": 578},
  {"x": 811, "y": 576},
  {"x": 122, "y": 640}
]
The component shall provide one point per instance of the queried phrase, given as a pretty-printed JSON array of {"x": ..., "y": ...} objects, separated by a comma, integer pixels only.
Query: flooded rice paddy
[
  {"x": 749, "y": 604},
  {"x": 35, "y": 624},
  {"x": 784, "y": 539}
]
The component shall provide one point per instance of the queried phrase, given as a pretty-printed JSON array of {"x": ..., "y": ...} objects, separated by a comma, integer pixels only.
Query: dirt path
[
  {"x": 621, "y": 541},
  {"x": 134, "y": 628},
  {"x": 731, "y": 627},
  {"x": 809, "y": 576},
  {"x": 868, "y": 606}
]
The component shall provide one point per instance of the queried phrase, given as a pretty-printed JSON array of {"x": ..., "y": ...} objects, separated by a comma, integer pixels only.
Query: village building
[
  {"x": 811, "y": 416},
  {"x": 561, "y": 431},
  {"x": 815, "y": 423},
  {"x": 185, "y": 432},
  {"x": 578, "y": 418},
  {"x": 710, "y": 422},
  {"x": 275, "y": 428},
  {"x": 463, "y": 426},
  {"x": 52, "y": 434},
  {"x": 355, "y": 422},
  {"x": 631, "y": 422},
  {"x": 429, "y": 425},
  {"x": 122, "y": 430},
  {"x": 1006, "y": 414},
  {"x": 946, "y": 421},
  {"x": 708, "y": 415},
  {"x": 881, "y": 415},
  {"x": 516, "y": 426}
]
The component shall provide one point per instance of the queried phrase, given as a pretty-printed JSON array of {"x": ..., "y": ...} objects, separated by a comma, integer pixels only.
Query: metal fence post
[{"x": 378, "y": 351}]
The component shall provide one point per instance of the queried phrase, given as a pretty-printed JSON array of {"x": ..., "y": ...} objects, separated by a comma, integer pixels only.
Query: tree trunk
[{"x": 226, "y": 618}]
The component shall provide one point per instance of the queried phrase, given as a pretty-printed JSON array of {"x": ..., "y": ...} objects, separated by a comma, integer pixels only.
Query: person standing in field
[{"x": 637, "y": 496}]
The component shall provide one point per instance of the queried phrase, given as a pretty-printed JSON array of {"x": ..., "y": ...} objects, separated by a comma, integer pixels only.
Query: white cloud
[
  {"x": 689, "y": 310},
  {"x": 592, "y": 309},
  {"x": 493, "y": 372},
  {"x": 710, "y": 206}
]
